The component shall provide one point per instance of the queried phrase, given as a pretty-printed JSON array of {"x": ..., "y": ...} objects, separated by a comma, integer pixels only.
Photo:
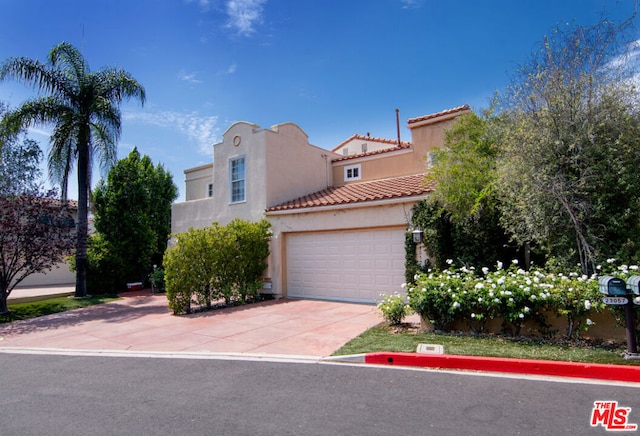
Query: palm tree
[{"x": 83, "y": 108}]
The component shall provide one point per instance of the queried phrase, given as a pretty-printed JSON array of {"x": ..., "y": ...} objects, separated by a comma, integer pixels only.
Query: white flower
[
  {"x": 499, "y": 265},
  {"x": 485, "y": 270},
  {"x": 589, "y": 322},
  {"x": 611, "y": 260},
  {"x": 479, "y": 299},
  {"x": 403, "y": 286},
  {"x": 449, "y": 261},
  {"x": 510, "y": 300},
  {"x": 496, "y": 300},
  {"x": 473, "y": 315},
  {"x": 587, "y": 304},
  {"x": 479, "y": 285},
  {"x": 521, "y": 316},
  {"x": 526, "y": 309},
  {"x": 456, "y": 304},
  {"x": 633, "y": 267},
  {"x": 514, "y": 261}
]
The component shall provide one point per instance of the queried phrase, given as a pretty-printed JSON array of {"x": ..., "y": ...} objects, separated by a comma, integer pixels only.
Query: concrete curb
[{"x": 505, "y": 365}]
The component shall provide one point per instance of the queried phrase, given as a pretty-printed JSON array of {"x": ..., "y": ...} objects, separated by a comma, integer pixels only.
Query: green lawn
[
  {"x": 384, "y": 338},
  {"x": 34, "y": 309}
]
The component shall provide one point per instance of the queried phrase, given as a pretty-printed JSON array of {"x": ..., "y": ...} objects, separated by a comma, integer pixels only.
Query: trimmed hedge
[{"x": 216, "y": 263}]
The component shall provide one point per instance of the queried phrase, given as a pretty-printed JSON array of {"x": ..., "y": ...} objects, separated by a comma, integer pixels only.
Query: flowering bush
[
  {"x": 394, "y": 308},
  {"x": 510, "y": 294},
  {"x": 438, "y": 297}
]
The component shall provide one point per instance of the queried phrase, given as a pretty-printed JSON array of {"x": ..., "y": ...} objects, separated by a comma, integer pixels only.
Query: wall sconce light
[{"x": 417, "y": 235}]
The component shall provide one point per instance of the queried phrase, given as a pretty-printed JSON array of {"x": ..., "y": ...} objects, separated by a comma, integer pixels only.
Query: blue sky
[{"x": 334, "y": 67}]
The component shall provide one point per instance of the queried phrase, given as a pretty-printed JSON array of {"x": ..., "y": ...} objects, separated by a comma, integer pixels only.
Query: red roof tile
[
  {"x": 369, "y": 138},
  {"x": 439, "y": 114},
  {"x": 397, "y": 187},
  {"x": 404, "y": 146}
]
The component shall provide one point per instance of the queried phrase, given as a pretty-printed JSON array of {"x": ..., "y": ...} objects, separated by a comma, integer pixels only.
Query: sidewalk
[
  {"x": 36, "y": 293},
  {"x": 311, "y": 329}
]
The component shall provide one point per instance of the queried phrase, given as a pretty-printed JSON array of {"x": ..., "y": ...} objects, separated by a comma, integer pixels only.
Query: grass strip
[
  {"x": 34, "y": 309},
  {"x": 385, "y": 338}
]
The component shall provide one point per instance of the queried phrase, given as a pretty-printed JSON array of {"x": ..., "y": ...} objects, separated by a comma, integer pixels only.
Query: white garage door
[{"x": 345, "y": 265}]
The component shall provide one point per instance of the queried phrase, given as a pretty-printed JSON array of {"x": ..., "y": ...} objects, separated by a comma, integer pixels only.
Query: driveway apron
[{"x": 141, "y": 321}]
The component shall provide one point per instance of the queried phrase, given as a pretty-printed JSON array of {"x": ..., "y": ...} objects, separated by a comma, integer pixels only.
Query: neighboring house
[
  {"x": 58, "y": 275},
  {"x": 338, "y": 221},
  {"x": 360, "y": 144}
]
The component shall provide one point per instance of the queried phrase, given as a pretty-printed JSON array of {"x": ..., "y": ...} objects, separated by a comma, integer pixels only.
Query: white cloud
[
  {"x": 244, "y": 15},
  {"x": 41, "y": 132},
  {"x": 200, "y": 129},
  {"x": 232, "y": 68},
  {"x": 189, "y": 77},
  {"x": 409, "y": 4}
]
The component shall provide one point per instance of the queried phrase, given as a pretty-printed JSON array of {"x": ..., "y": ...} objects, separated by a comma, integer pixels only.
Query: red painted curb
[{"x": 520, "y": 366}]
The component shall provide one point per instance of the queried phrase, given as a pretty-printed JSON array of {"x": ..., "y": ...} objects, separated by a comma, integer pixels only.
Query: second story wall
[
  {"x": 198, "y": 181},
  {"x": 294, "y": 167},
  {"x": 239, "y": 173}
]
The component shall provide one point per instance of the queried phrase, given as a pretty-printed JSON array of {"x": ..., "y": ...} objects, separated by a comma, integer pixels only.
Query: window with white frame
[
  {"x": 237, "y": 179},
  {"x": 352, "y": 172}
]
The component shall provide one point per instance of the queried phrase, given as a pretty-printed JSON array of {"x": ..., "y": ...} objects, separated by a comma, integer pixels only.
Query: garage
[{"x": 347, "y": 265}]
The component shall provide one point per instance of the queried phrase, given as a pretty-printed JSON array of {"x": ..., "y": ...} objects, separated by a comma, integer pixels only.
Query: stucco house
[{"x": 338, "y": 218}]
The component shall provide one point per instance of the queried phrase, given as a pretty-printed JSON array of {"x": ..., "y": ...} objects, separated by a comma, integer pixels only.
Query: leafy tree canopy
[{"x": 133, "y": 216}]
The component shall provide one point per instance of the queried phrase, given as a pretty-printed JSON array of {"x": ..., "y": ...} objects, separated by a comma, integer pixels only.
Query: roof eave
[{"x": 354, "y": 205}]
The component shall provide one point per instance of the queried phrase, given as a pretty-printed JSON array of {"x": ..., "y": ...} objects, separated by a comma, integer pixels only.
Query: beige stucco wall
[
  {"x": 295, "y": 167},
  {"x": 280, "y": 165},
  {"x": 385, "y": 214},
  {"x": 196, "y": 181},
  {"x": 354, "y": 146},
  {"x": 429, "y": 134},
  {"x": 250, "y": 143},
  {"x": 402, "y": 162},
  {"x": 195, "y": 213},
  {"x": 425, "y": 136},
  {"x": 58, "y": 275}
]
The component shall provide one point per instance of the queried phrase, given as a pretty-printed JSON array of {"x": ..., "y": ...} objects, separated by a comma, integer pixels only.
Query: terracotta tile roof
[
  {"x": 404, "y": 146},
  {"x": 397, "y": 187},
  {"x": 369, "y": 138},
  {"x": 439, "y": 114}
]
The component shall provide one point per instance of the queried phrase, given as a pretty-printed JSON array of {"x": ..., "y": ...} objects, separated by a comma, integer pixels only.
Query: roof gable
[{"x": 434, "y": 117}]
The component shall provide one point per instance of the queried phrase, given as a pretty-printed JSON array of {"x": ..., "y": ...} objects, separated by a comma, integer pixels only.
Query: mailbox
[
  {"x": 634, "y": 283},
  {"x": 612, "y": 286}
]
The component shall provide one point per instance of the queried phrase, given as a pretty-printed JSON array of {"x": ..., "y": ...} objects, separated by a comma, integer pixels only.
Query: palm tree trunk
[{"x": 83, "y": 218}]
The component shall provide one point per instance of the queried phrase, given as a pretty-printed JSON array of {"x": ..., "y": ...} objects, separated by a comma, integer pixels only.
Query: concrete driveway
[{"x": 142, "y": 322}]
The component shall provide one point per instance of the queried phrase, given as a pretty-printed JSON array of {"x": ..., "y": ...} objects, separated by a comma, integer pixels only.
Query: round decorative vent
[{"x": 236, "y": 140}]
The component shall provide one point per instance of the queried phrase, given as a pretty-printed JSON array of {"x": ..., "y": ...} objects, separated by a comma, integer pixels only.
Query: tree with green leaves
[
  {"x": 19, "y": 161},
  {"x": 133, "y": 217},
  {"x": 571, "y": 146},
  {"x": 83, "y": 108},
  {"x": 460, "y": 218}
]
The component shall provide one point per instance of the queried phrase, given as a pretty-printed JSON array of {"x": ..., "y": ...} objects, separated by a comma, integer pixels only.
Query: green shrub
[
  {"x": 511, "y": 295},
  {"x": 394, "y": 308},
  {"x": 216, "y": 263}
]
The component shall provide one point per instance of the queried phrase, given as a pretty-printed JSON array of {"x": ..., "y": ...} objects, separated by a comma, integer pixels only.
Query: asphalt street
[{"x": 80, "y": 395}]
